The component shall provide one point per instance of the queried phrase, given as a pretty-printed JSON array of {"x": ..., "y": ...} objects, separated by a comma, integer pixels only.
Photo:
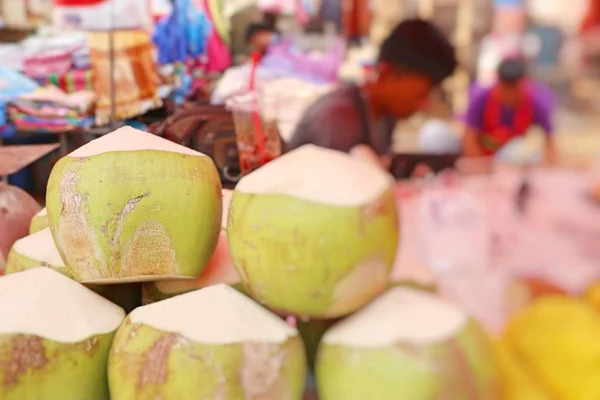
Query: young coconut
[
  {"x": 55, "y": 338},
  {"x": 38, "y": 222},
  {"x": 407, "y": 344},
  {"x": 220, "y": 269},
  {"x": 33, "y": 251},
  {"x": 213, "y": 343},
  {"x": 17, "y": 208},
  {"x": 314, "y": 232},
  {"x": 131, "y": 206}
]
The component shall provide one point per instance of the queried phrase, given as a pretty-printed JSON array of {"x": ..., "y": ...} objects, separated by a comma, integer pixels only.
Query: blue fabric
[
  {"x": 182, "y": 34},
  {"x": 12, "y": 85}
]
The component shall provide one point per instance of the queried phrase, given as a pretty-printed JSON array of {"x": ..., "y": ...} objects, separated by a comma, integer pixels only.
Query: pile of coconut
[{"x": 312, "y": 234}]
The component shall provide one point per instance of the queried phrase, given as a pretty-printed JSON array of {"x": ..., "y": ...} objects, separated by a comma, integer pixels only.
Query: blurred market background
[
  {"x": 174, "y": 56},
  {"x": 491, "y": 239}
]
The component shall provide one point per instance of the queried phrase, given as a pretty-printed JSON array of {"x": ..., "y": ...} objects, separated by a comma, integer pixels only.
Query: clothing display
[
  {"x": 135, "y": 74},
  {"x": 49, "y": 109}
]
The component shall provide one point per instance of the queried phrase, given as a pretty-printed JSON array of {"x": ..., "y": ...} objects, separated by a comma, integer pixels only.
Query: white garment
[{"x": 107, "y": 15}]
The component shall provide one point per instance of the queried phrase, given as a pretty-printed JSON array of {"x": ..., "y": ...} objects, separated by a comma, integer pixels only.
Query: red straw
[{"x": 256, "y": 56}]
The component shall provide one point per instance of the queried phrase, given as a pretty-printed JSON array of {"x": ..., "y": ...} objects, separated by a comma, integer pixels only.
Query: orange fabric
[{"x": 136, "y": 79}]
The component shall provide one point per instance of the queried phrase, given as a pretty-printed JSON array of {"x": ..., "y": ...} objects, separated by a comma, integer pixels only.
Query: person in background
[
  {"x": 504, "y": 112},
  {"x": 413, "y": 60},
  {"x": 260, "y": 35}
]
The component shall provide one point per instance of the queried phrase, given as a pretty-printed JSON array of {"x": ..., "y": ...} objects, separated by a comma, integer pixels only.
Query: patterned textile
[
  {"x": 45, "y": 116},
  {"x": 72, "y": 81},
  {"x": 136, "y": 78}
]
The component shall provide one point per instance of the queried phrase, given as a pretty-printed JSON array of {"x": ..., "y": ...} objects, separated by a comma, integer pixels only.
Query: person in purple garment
[{"x": 506, "y": 111}]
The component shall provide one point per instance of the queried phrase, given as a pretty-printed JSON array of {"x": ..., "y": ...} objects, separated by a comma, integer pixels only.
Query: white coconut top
[
  {"x": 42, "y": 213},
  {"x": 216, "y": 314},
  {"x": 130, "y": 139},
  {"x": 43, "y": 302},
  {"x": 321, "y": 175},
  {"x": 399, "y": 315},
  {"x": 39, "y": 247},
  {"x": 227, "y": 194}
]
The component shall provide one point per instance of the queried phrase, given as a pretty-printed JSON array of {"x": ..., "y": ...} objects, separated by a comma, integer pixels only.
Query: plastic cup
[{"x": 255, "y": 121}]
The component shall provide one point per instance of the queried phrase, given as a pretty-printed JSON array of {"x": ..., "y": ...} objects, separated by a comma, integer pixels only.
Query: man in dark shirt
[{"x": 412, "y": 61}]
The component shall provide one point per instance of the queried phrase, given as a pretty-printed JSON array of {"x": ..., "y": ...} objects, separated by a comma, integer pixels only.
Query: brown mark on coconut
[
  {"x": 90, "y": 346},
  {"x": 261, "y": 372},
  {"x": 113, "y": 228},
  {"x": 351, "y": 292},
  {"x": 74, "y": 232},
  {"x": 25, "y": 353},
  {"x": 155, "y": 366},
  {"x": 457, "y": 375},
  {"x": 150, "y": 252}
]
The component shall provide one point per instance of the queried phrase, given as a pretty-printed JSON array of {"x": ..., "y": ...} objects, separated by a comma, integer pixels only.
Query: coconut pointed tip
[
  {"x": 399, "y": 315},
  {"x": 321, "y": 175},
  {"x": 130, "y": 139},
  {"x": 40, "y": 301},
  {"x": 216, "y": 314},
  {"x": 42, "y": 213}
]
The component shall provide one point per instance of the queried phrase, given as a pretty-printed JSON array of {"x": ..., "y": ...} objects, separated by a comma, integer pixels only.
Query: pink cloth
[{"x": 557, "y": 240}]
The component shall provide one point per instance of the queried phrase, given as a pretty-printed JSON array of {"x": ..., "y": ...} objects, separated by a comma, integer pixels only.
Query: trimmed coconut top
[
  {"x": 320, "y": 175},
  {"x": 130, "y": 139},
  {"x": 227, "y": 194},
  {"x": 399, "y": 315},
  {"x": 39, "y": 247},
  {"x": 216, "y": 314},
  {"x": 42, "y": 213},
  {"x": 43, "y": 302}
]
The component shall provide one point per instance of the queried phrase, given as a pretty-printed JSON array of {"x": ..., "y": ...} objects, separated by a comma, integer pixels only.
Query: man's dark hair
[
  {"x": 257, "y": 27},
  {"x": 511, "y": 70},
  {"x": 420, "y": 47}
]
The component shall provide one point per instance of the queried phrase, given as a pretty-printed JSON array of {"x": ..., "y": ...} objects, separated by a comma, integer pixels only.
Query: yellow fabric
[{"x": 136, "y": 78}]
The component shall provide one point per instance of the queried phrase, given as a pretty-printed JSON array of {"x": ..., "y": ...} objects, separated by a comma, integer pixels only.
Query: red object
[
  {"x": 260, "y": 140},
  {"x": 592, "y": 17},
  {"x": 77, "y": 3},
  {"x": 17, "y": 208},
  {"x": 356, "y": 18},
  {"x": 496, "y": 133}
]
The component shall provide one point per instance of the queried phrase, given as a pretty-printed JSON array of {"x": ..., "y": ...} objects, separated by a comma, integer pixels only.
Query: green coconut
[
  {"x": 314, "y": 232},
  {"x": 38, "y": 222},
  {"x": 212, "y": 343},
  {"x": 131, "y": 206},
  {"x": 55, "y": 338},
  {"x": 407, "y": 344},
  {"x": 35, "y": 250},
  {"x": 220, "y": 269}
]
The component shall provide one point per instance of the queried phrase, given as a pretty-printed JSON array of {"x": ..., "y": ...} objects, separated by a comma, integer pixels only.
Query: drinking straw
[{"x": 255, "y": 115}]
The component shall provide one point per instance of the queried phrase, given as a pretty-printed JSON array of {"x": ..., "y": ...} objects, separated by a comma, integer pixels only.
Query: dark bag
[{"x": 208, "y": 129}]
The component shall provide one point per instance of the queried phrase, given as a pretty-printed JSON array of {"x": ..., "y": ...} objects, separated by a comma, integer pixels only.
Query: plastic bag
[
  {"x": 453, "y": 228},
  {"x": 103, "y": 15}
]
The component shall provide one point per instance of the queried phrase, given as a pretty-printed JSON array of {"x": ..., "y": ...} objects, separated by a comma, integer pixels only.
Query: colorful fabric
[
  {"x": 218, "y": 55},
  {"x": 135, "y": 76},
  {"x": 182, "y": 34},
  {"x": 12, "y": 85},
  {"x": 72, "y": 81}
]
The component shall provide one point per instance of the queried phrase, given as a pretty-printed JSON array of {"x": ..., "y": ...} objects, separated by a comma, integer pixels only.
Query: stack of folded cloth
[{"x": 49, "y": 109}]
